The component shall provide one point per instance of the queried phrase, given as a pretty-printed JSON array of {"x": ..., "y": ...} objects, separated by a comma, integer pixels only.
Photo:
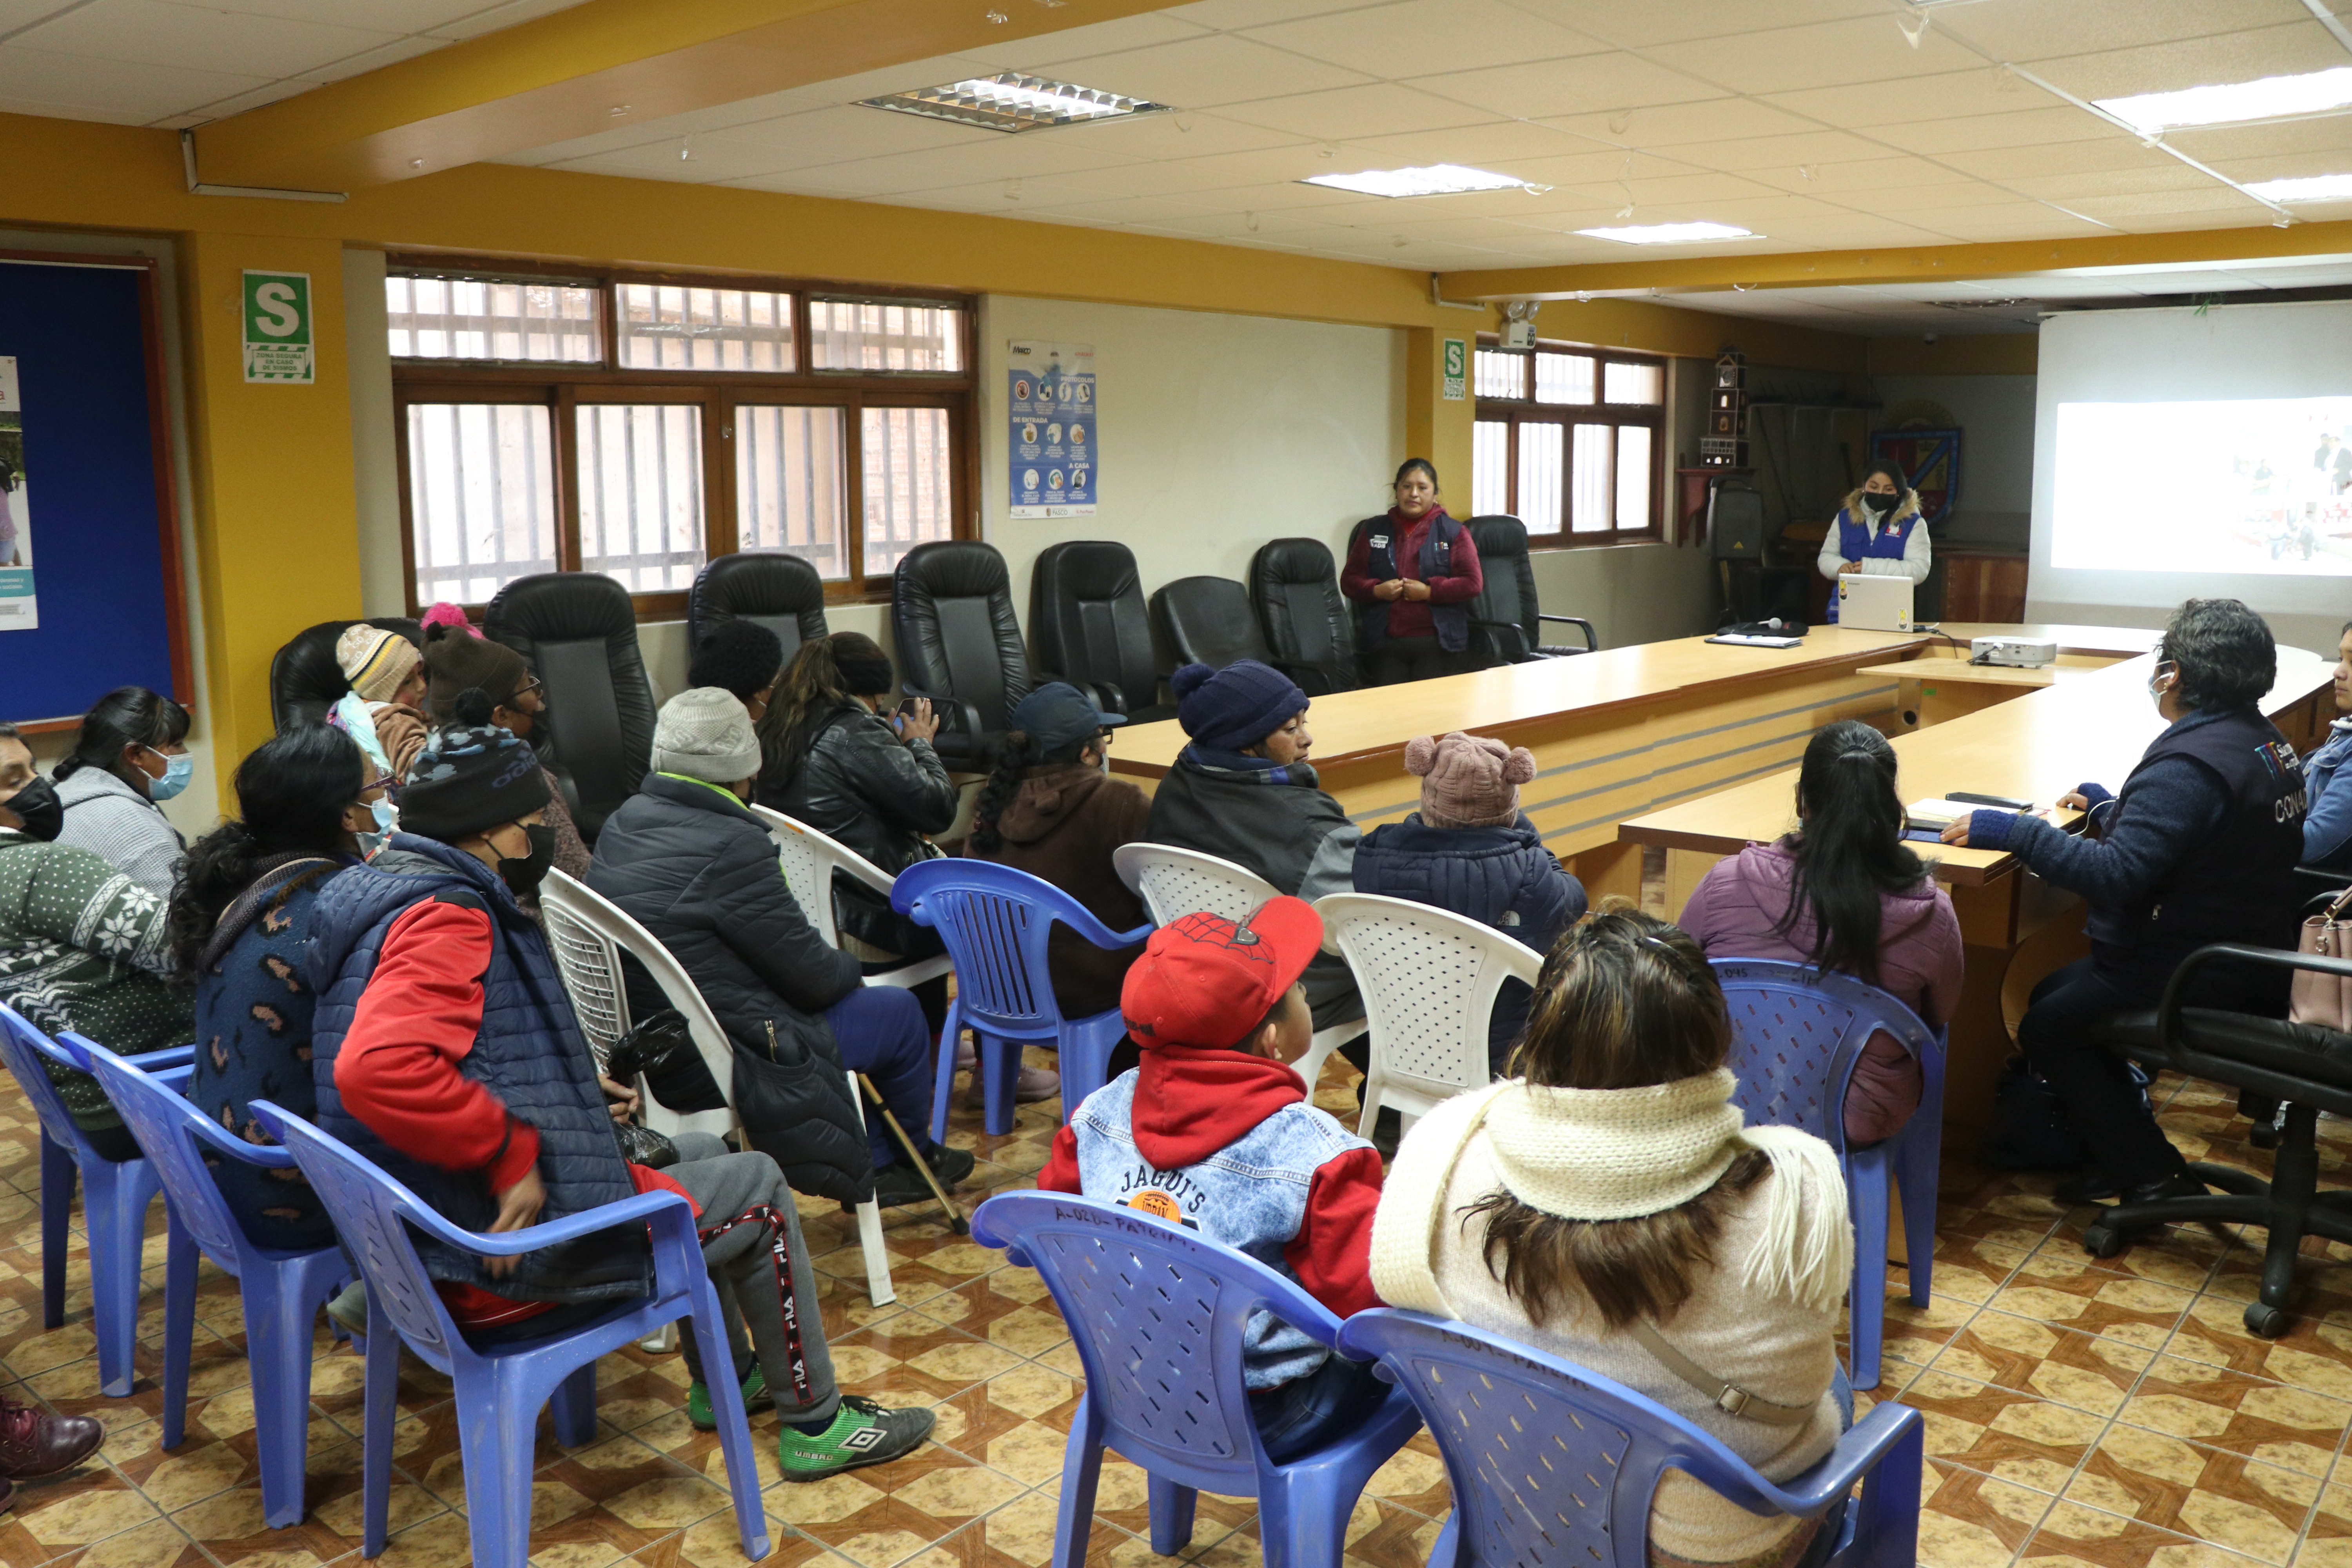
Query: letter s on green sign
[{"x": 276, "y": 302}]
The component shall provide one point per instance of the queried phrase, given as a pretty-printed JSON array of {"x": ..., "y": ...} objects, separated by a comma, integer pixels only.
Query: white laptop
[{"x": 1874, "y": 603}]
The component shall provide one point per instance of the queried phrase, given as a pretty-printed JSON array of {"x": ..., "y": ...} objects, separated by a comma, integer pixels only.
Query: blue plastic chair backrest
[
  {"x": 158, "y": 1116},
  {"x": 1796, "y": 1034},
  {"x": 995, "y": 921},
  {"x": 1157, "y": 1314},
  {"x": 23, "y": 1046},
  {"x": 1552, "y": 1465},
  {"x": 367, "y": 1207}
]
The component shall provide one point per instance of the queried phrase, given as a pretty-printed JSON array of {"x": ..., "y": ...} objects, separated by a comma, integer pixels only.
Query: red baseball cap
[{"x": 1204, "y": 981}]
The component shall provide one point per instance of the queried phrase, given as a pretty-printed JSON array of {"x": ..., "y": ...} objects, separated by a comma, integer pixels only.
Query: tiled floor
[{"x": 2114, "y": 1415}]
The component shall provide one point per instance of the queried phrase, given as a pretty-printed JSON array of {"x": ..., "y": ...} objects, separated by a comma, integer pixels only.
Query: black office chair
[
  {"x": 305, "y": 681},
  {"x": 1506, "y": 620},
  {"x": 1088, "y": 617},
  {"x": 958, "y": 642},
  {"x": 578, "y": 632},
  {"x": 1208, "y": 620},
  {"x": 2307, "y": 1068},
  {"x": 781, "y": 592},
  {"x": 1309, "y": 623}
]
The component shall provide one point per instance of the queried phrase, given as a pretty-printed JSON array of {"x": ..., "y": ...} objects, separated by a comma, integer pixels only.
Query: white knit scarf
[{"x": 1596, "y": 1155}]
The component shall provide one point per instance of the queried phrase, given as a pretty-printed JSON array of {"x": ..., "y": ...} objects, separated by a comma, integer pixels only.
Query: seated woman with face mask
[
  {"x": 1878, "y": 533},
  {"x": 126, "y": 761}
]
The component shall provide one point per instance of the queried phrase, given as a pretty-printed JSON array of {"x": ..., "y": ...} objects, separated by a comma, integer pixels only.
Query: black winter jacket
[
  {"x": 858, "y": 783},
  {"x": 1243, "y": 809},
  {"x": 696, "y": 870}
]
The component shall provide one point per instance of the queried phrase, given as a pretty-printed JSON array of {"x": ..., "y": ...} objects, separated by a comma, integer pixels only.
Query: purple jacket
[{"x": 1732, "y": 915}]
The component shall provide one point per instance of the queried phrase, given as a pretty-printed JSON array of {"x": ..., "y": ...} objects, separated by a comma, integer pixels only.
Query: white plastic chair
[
  {"x": 1428, "y": 978},
  {"x": 1174, "y": 882},
  {"x": 810, "y": 858},
  {"x": 588, "y": 933}
]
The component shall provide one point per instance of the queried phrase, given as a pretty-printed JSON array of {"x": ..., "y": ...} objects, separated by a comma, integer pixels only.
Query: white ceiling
[
  {"x": 159, "y": 62},
  {"x": 1815, "y": 123}
]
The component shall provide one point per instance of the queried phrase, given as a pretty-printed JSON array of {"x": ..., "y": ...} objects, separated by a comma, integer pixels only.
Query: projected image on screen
[{"x": 2252, "y": 485}]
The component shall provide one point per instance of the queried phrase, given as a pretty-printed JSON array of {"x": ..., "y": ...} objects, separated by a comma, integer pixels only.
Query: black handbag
[
  {"x": 794, "y": 1105},
  {"x": 661, "y": 1047},
  {"x": 2027, "y": 1131}
]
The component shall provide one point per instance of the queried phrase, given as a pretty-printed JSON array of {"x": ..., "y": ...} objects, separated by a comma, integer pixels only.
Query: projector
[{"x": 2022, "y": 653}]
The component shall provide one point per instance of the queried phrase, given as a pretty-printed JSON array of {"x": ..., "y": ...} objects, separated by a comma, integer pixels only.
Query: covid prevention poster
[
  {"x": 1054, "y": 466},
  {"x": 18, "y": 610}
]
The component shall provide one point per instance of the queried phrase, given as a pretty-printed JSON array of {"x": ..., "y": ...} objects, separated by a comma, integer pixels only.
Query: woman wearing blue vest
[
  {"x": 1413, "y": 575},
  {"x": 1878, "y": 533},
  {"x": 2199, "y": 846}
]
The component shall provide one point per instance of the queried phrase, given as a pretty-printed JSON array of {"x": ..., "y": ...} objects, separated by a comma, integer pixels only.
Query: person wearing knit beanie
[
  {"x": 705, "y": 733},
  {"x": 1468, "y": 781},
  {"x": 471, "y": 778},
  {"x": 1236, "y": 709},
  {"x": 742, "y": 656},
  {"x": 380, "y": 665},
  {"x": 457, "y": 662}
]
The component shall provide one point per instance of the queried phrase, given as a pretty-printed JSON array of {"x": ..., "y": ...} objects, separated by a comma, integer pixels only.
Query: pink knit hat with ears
[{"x": 1468, "y": 781}]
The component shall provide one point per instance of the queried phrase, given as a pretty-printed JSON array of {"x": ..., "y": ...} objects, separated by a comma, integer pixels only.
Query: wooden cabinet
[{"x": 1983, "y": 587}]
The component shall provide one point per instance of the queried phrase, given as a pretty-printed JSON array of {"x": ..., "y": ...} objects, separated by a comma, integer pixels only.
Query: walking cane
[{"x": 956, "y": 1221}]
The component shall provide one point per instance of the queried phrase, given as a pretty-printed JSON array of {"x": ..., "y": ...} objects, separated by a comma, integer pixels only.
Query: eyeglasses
[
  {"x": 382, "y": 780},
  {"x": 531, "y": 685}
]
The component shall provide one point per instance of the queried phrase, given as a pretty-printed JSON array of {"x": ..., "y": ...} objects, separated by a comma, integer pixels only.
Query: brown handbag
[{"x": 2325, "y": 999}]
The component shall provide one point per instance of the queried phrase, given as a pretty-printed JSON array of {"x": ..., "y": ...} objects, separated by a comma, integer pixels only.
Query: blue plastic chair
[
  {"x": 1555, "y": 1467},
  {"x": 1796, "y": 1034},
  {"x": 995, "y": 922},
  {"x": 1157, "y": 1313},
  {"x": 502, "y": 1389},
  {"x": 281, "y": 1292},
  {"x": 115, "y": 1196}
]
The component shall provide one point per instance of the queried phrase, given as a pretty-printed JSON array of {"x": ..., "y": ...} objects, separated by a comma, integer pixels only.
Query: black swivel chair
[
  {"x": 1309, "y": 623},
  {"x": 1506, "y": 619},
  {"x": 578, "y": 632},
  {"x": 781, "y": 592},
  {"x": 2307, "y": 1068},
  {"x": 305, "y": 681},
  {"x": 1208, "y": 620},
  {"x": 958, "y": 642},
  {"x": 1088, "y": 618}
]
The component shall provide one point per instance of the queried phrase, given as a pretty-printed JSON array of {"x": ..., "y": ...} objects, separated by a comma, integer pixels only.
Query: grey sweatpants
[{"x": 746, "y": 1207}]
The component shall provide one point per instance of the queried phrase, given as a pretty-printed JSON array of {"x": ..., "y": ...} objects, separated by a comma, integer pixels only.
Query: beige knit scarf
[{"x": 1594, "y": 1154}]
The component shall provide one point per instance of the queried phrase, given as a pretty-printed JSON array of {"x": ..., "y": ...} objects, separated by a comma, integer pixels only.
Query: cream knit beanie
[
  {"x": 706, "y": 733},
  {"x": 374, "y": 661}
]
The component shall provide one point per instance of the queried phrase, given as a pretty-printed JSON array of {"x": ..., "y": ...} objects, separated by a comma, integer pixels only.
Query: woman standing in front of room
[
  {"x": 1413, "y": 575},
  {"x": 1878, "y": 533}
]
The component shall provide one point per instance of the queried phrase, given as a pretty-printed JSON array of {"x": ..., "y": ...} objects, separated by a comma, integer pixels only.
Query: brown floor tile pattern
[{"x": 2079, "y": 1412}]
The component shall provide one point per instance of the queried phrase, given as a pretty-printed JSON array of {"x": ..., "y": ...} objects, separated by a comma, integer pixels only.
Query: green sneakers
[
  {"x": 697, "y": 1400},
  {"x": 862, "y": 1433}
]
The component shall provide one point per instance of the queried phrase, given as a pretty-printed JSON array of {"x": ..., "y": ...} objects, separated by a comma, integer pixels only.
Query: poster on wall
[
  {"x": 1051, "y": 460},
  {"x": 18, "y": 610},
  {"x": 278, "y": 327}
]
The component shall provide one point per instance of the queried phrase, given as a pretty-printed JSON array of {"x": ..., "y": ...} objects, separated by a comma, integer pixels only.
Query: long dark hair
[
  {"x": 821, "y": 678},
  {"x": 1015, "y": 756},
  {"x": 1849, "y": 851},
  {"x": 126, "y": 716},
  {"x": 290, "y": 792}
]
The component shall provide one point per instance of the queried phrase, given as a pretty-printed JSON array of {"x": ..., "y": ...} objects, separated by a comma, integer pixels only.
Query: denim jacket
[{"x": 2328, "y": 824}]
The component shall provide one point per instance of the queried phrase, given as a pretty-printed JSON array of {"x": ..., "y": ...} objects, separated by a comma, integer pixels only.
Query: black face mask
[
  {"x": 523, "y": 877},
  {"x": 36, "y": 806},
  {"x": 1882, "y": 505}
]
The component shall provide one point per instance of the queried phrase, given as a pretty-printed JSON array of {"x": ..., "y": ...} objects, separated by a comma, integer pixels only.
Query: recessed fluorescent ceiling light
[
  {"x": 1013, "y": 102},
  {"x": 1436, "y": 180},
  {"x": 1669, "y": 233},
  {"x": 2271, "y": 97},
  {"x": 2313, "y": 188}
]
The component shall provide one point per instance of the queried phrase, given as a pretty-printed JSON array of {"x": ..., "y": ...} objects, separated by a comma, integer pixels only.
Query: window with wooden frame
[
  {"x": 639, "y": 425},
  {"x": 1571, "y": 441}
]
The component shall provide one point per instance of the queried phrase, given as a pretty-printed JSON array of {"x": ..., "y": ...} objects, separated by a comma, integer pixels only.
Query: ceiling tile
[
  {"x": 2295, "y": 137},
  {"x": 1488, "y": 145},
  {"x": 155, "y": 32},
  {"x": 389, "y": 54},
  {"x": 1432, "y": 34},
  {"x": 1538, "y": 90},
  {"x": 1185, "y": 135},
  {"x": 124, "y": 92},
  {"x": 1341, "y": 113},
  {"x": 1946, "y": 95},
  {"x": 1926, "y": 200},
  {"x": 390, "y": 16},
  {"x": 491, "y": 18},
  {"x": 2028, "y": 32},
  {"x": 1117, "y": 210},
  {"x": 1863, "y": 54},
  {"x": 2212, "y": 199},
  {"x": 1975, "y": 132},
  {"x": 1036, "y": 54},
  {"x": 2303, "y": 45},
  {"x": 1202, "y": 73},
  {"x": 2068, "y": 189},
  {"x": 1233, "y": 13},
  {"x": 842, "y": 135},
  {"x": 998, "y": 158},
  {"x": 1717, "y": 119},
  {"x": 1675, "y": 21},
  {"x": 1226, "y": 172},
  {"x": 2106, "y": 155},
  {"x": 1867, "y": 175}
]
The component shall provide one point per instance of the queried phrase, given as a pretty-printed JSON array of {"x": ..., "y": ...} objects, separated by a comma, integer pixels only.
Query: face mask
[
  {"x": 382, "y": 811},
  {"x": 36, "y": 806},
  {"x": 523, "y": 877},
  {"x": 177, "y": 771},
  {"x": 1882, "y": 505}
]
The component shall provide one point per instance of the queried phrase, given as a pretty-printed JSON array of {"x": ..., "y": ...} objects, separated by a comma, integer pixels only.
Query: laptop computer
[{"x": 1874, "y": 603}]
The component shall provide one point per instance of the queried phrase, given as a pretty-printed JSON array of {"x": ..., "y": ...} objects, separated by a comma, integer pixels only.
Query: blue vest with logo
[
  {"x": 2238, "y": 884},
  {"x": 1251, "y": 1195},
  {"x": 1855, "y": 542},
  {"x": 1452, "y": 622},
  {"x": 530, "y": 1054}
]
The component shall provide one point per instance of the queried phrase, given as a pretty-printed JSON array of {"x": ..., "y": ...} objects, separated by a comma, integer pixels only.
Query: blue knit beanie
[{"x": 1235, "y": 708}]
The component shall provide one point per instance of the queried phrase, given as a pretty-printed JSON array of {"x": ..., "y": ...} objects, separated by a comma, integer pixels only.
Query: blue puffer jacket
[
  {"x": 1499, "y": 876},
  {"x": 530, "y": 1054}
]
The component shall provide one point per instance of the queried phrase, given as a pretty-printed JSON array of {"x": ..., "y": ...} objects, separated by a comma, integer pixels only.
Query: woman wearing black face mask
[
  {"x": 82, "y": 946},
  {"x": 1878, "y": 533}
]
